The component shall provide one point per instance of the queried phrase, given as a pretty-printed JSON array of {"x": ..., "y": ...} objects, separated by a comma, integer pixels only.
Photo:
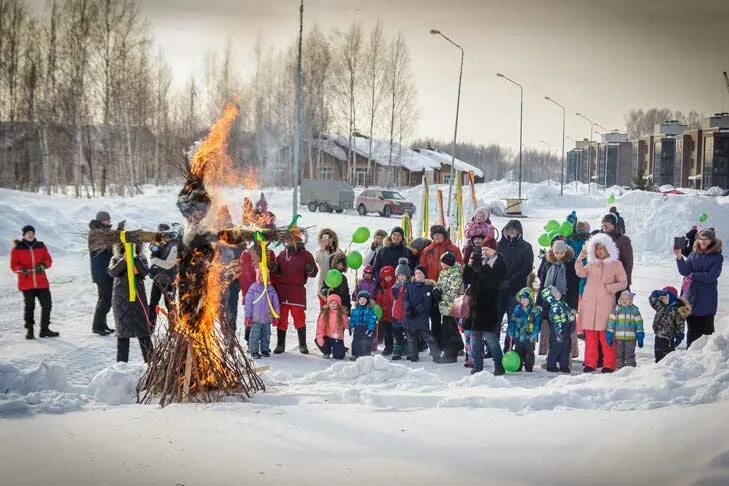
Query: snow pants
[
  {"x": 593, "y": 339},
  {"x": 298, "y": 314},
  {"x": 44, "y": 297},
  {"x": 525, "y": 350},
  {"x": 384, "y": 329},
  {"x": 122, "y": 348},
  {"x": 333, "y": 347},
  {"x": 103, "y": 304},
  {"x": 624, "y": 353},
  {"x": 662, "y": 347},
  {"x": 361, "y": 342},
  {"x": 398, "y": 339},
  {"x": 413, "y": 346},
  {"x": 559, "y": 352},
  {"x": 450, "y": 337}
]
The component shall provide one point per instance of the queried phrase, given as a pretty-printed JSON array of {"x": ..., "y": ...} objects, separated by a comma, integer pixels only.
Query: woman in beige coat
[{"x": 605, "y": 278}]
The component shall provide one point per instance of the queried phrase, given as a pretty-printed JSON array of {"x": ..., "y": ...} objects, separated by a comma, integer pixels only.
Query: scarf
[{"x": 557, "y": 276}]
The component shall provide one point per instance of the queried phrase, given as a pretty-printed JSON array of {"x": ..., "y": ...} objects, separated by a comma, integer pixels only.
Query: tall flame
[{"x": 211, "y": 161}]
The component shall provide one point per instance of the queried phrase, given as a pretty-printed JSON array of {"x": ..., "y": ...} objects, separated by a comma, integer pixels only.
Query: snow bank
[{"x": 116, "y": 385}]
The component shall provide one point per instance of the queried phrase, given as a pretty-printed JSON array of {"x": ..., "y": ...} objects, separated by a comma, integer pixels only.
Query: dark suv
[{"x": 384, "y": 202}]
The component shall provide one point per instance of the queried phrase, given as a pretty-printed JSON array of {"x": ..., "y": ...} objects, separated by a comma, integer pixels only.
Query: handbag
[{"x": 461, "y": 308}]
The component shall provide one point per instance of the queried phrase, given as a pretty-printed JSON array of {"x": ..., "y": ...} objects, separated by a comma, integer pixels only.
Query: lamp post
[
  {"x": 607, "y": 144},
  {"x": 589, "y": 152},
  {"x": 561, "y": 182},
  {"x": 297, "y": 120},
  {"x": 521, "y": 119},
  {"x": 455, "y": 129}
]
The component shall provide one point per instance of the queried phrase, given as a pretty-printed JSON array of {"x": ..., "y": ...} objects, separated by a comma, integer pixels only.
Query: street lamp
[
  {"x": 607, "y": 144},
  {"x": 521, "y": 119},
  {"x": 589, "y": 152},
  {"x": 561, "y": 183},
  {"x": 455, "y": 129}
]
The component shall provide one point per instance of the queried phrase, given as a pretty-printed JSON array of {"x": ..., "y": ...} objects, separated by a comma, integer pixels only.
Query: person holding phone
[{"x": 704, "y": 266}]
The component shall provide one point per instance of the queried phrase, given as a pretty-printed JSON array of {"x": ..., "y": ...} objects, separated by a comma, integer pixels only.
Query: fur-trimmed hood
[
  {"x": 336, "y": 258},
  {"x": 606, "y": 241},
  {"x": 332, "y": 236},
  {"x": 714, "y": 248},
  {"x": 568, "y": 257}
]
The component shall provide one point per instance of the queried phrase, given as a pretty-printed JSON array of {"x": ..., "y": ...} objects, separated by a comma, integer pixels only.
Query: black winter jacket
[
  {"x": 518, "y": 257},
  {"x": 485, "y": 282},
  {"x": 99, "y": 259}
]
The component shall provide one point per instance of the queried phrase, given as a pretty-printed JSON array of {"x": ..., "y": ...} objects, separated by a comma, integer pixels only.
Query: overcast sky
[{"x": 601, "y": 58}]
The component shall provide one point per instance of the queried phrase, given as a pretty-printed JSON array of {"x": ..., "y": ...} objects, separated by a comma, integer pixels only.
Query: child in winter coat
[
  {"x": 330, "y": 328},
  {"x": 625, "y": 327},
  {"x": 417, "y": 305},
  {"x": 338, "y": 261},
  {"x": 383, "y": 298},
  {"x": 670, "y": 320},
  {"x": 450, "y": 286},
  {"x": 524, "y": 326},
  {"x": 402, "y": 274},
  {"x": 262, "y": 309},
  {"x": 362, "y": 325},
  {"x": 480, "y": 224},
  {"x": 561, "y": 325},
  {"x": 367, "y": 282}
]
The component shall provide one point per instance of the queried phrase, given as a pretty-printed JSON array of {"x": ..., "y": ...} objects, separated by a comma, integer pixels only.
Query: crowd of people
[{"x": 416, "y": 296}]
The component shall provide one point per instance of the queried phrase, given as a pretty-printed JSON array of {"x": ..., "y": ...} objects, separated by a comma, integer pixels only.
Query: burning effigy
[{"x": 200, "y": 358}]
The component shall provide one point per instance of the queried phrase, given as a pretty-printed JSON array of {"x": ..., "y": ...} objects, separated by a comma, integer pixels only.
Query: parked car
[
  {"x": 384, "y": 202},
  {"x": 326, "y": 196}
]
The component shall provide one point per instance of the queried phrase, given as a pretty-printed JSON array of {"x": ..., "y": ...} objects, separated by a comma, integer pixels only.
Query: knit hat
[
  {"x": 709, "y": 233},
  {"x": 381, "y": 233},
  {"x": 403, "y": 268},
  {"x": 419, "y": 244},
  {"x": 610, "y": 218},
  {"x": 368, "y": 269},
  {"x": 448, "y": 258},
  {"x": 438, "y": 228},
  {"x": 422, "y": 269},
  {"x": 582, "y": 227},
  {"x": 163, "y": 227},
  {"x": 559, "y": 246},
  {"x": 334, "y": 298},
  {"x": 102, "y": 216},
  {"x": 398, "y": 229},
  {"x": 672, "y": 294},
  {"x": 572, "y": 218},
  {"x": 490, "y": 243},
  {"x": 27, "y": 228},
  {"x": 525, "y": 293},
  {"x": 365, "y": 294},
  {"x": 483, "y": 210},
  {"x": 627, "y": 293}
]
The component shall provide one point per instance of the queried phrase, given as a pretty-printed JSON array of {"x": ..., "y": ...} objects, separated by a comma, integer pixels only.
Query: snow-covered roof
[
  {"x": 444, "y": 158},
  {"x": 401, "y": 156},
  {"x": 329, "y": 146}
]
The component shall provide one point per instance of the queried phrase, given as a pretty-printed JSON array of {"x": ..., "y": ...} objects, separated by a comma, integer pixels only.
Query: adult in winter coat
[
  {"x": 378, "y": 241},
  {"x": 416, "y": 248},
  {"x": 163, "y": 270},
  {"x": 29, "y": 259},
  {"x": 605, "y": 278},
  {"x": 250, "y": 261},
  {"x": 294, "y": 266},
  {"x": 104, "y": 283},
  {"x": 703, "y": 266},
  {"x": 484, "y": 273},
  {"x": 519, "y": 260},
  {"x": 580, "y": 235},
  {"x": 611, "y": 225},
  {"x": 393, "y": 249},
  {"x": 418, "y": 302},
  {"x": 131, "y": 317},
  {"x": 328, "y": 245},
  {"x": 338, "y": 261},
  {"x": 558, "y": 269}
]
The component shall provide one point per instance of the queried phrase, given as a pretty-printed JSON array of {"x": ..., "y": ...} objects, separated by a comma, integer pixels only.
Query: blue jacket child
[
  {"x": 524, "y": 327},
  {"x": 362, "y": 323},
  {"x": 561, "y": 325}
]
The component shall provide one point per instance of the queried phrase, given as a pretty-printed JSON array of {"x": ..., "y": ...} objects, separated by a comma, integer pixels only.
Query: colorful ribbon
[
  {"x": 264, "y": 271},
  {"x": 426, "y": 210},
  {"x": 129, "y": 257}
]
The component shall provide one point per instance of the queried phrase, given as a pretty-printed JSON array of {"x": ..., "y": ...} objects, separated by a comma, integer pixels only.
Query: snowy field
[{"x": 67, "y": 412}]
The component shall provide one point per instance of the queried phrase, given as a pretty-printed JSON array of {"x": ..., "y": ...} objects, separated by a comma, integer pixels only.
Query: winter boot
[
  {"x": 29, "y": 332},
  {"x": 302, "y": 341},
  {"x": 46, "y": 332},
  {"x": 281, "y": 344}
]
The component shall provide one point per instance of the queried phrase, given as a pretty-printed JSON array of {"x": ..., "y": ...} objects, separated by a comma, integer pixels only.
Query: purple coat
[
  {"x": 704, "y": 268},
  {"x": 368, "y": 285},
  {"x": 258, "y": 310}
]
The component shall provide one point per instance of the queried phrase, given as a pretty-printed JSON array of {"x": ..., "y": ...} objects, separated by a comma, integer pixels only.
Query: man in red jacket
[
  {"x": 294, "y": 265},
  {"x": 29, "y": 260},
  {"x": 430, "y": 259}
]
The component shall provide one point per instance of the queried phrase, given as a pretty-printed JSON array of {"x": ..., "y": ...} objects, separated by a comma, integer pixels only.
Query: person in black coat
[
  {"x": 418, "y": 302},
  {"x": 519, "y": 260},
  {"x": 389, "y": 255},
  {"x": 484, "y": 274},
  {"x": 338, "y": 261},
  {"x": 131, "y": 317},
  {"x": 104, "y": 283}
]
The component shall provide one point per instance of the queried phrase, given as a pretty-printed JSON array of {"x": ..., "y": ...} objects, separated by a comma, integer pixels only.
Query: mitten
[
  {"x": 25, "y": 271},
  {"x": 249, "y": 322},
  {"x": 678, "y": 339},
  {"x": 40, "y": 268},
  {"x": 411, "y": 312},
  {"x": 640, "y": 336},
  {"x": 369, "y": 333},
  {"x": 609, "y": 337},
  {"x": 275, "y": 322}
]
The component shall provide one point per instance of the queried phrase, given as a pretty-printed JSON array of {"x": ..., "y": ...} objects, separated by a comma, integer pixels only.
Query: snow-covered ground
[{"x": 374, "y": 419}]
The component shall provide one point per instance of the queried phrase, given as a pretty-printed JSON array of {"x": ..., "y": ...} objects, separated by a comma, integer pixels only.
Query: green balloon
[
  {"x": 611, "y": 199},
  {"x": 333, "y": 278},
  {"x": 378, "y": 311},
  {"x": 544, "y": 240},
  {"x": 703, "y": 217},
  {"x": 566, "y": 229},
  {"x": 552, "y": 225},
  {"x": 361, "y": 234},
  {"x": 511, "y": 361},
  {"x": 354, "y": 259},
  {"x": 552, "y": 235}
]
